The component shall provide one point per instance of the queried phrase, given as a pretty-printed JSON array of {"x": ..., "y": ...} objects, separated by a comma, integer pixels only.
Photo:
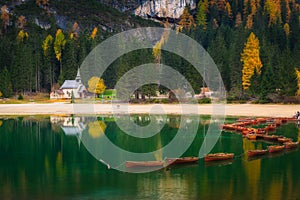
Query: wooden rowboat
[
  {"x": 218, "y": 156},
  {"x": 130, "y": 164},
  {"x": 184, "y": 160},
  {"x": 284, "y": 139},
  {"x": 257, "y": 152},
  {"x": 291, "y": 145},
  {"x": 275, "y": 148},
  {"x": 271, "y": 137}
]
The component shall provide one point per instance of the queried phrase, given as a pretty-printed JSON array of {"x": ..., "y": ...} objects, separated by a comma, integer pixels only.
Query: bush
[
  {"x": 134, "y": 101},
  {"x": 263, "y": 101},
  {"x": 204, "y": 100},
  {"x": 165, "y": 101},
  {"x": 156, "y": 101},
  {"x": 20, "y": 97}
]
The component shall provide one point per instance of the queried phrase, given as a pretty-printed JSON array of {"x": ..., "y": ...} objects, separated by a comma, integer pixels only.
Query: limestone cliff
[
  {"x": 163, "y": 8},
  {"x": 152, "y": 8}
]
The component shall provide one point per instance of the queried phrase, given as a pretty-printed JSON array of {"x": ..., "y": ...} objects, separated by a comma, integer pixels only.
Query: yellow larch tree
[
  {"x": 238, "y": 20},
  {"x": 186, "y": 21},
  {"x": 251, "y": 60},
  {"x": 202, "y": 9},
  {"x": 4, "y": 17},
  {"x": 96, "y": 85},
  {"x": 75, "y": 29},
  {"x": 287, "y": 30},
  {"x": 254, "y": 5},
  {"x": 21, "y": 22},
  {"x": 298, "y": 78},
  {"x": 94, "y": 33},
  {"x": 22, "y": 35},
  {"x": 249, "y": 22},
  {"x": 228, "y": 10},
  {"x": 273, "y": 10}
]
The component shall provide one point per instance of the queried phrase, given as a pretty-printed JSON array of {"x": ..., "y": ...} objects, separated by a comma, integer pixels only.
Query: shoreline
[{"x": 247, "y": 110}]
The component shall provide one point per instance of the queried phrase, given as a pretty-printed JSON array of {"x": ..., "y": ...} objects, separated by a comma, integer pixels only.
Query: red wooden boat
[
  {"x": 291, "y": 145},
  {"x": 275, "y": 148},
  {"x": 218, "y": 156},
  {"x": 184, "y": 160},
  {"x": 257, "y": 152},
  {"x": 271, "y": 137},
  {"x": 271, "y": 127},
  {"x": 130, "y": 164},
  {"x": 284, "y": 139}
]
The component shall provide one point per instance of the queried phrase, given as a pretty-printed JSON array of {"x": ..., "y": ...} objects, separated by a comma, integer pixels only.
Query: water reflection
[{"x": 40, "y": 159}]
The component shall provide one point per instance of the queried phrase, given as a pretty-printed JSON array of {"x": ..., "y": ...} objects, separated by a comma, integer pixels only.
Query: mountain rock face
[
  {"x": 152, "y": 8},
  {"x": 163, "y": 8}
]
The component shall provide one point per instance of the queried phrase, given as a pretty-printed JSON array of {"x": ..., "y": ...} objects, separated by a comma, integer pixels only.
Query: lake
[{"x": 49, "y": 157}]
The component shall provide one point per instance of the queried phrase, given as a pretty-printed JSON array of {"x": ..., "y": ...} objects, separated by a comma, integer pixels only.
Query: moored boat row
[
  {"x": 243, "y": 125},
  {"x": 273, "y": 149}
]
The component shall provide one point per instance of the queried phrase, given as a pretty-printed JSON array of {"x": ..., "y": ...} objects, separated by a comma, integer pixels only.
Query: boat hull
[
  {"x": 131, "y": 164},
  {"x": 291, "y": 145},
  {"x": 184, "y": 160},
  {"x": 218, "y": 156},
  {"x": 276, "y": 148},
  {"x": 256, "y": 152}
]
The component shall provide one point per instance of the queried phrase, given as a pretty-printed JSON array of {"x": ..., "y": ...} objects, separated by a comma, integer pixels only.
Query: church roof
[
  {"x": 81, "y": 89},
  {"x": 70, "y": 84}
]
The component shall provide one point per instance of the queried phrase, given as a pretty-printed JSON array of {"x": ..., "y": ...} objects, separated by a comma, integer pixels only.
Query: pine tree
[
  {"x": 48, "y": 62},
  {"x": 267, "y": 85},
  {"x": 218, "y": 51},
  {"x": 70, "y": 59},
  {"x": 201, "y": 14},
  {"x": 250, "y": 59},
  {"x": 5, "y": 83}
]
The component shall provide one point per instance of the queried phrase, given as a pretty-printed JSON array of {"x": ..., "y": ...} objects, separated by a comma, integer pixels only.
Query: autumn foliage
[{"x": 251, "y": 60}]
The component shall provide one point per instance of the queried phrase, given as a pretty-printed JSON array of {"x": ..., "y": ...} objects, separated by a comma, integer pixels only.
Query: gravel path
[{"x": 268, "y": 110}]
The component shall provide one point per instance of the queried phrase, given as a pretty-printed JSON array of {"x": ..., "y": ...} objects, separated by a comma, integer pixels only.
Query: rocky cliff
[
  {"x": 152, "y": 8},
  {"x": 163, "y": 8}
]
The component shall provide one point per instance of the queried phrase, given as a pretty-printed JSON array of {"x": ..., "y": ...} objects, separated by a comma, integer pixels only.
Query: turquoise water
[{"x": 44, "y": 158}]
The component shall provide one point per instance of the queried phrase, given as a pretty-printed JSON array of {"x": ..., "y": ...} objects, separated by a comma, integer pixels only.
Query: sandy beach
[{"x": 202, "y": 109}]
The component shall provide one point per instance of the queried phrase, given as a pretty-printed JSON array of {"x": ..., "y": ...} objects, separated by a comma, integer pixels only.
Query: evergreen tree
[
  {"x": 48, "y": 63},
  {"x": 218, "y": 51},
  {"x": 59, "y": 45},
  {"x": 268, "y": 85},
  {"x": 70, "y": 59},
  {"x": 5, "y": 83}
]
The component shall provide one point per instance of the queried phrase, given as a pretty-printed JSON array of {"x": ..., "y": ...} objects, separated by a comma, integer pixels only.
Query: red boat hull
[
  {"x": 276, "y": 148},
  {"x": 185, "y": 160},
  {"x": 218, "y": 156},
  {"x": 256, "y": 152},
  {"x": 291, "y": 145}
]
